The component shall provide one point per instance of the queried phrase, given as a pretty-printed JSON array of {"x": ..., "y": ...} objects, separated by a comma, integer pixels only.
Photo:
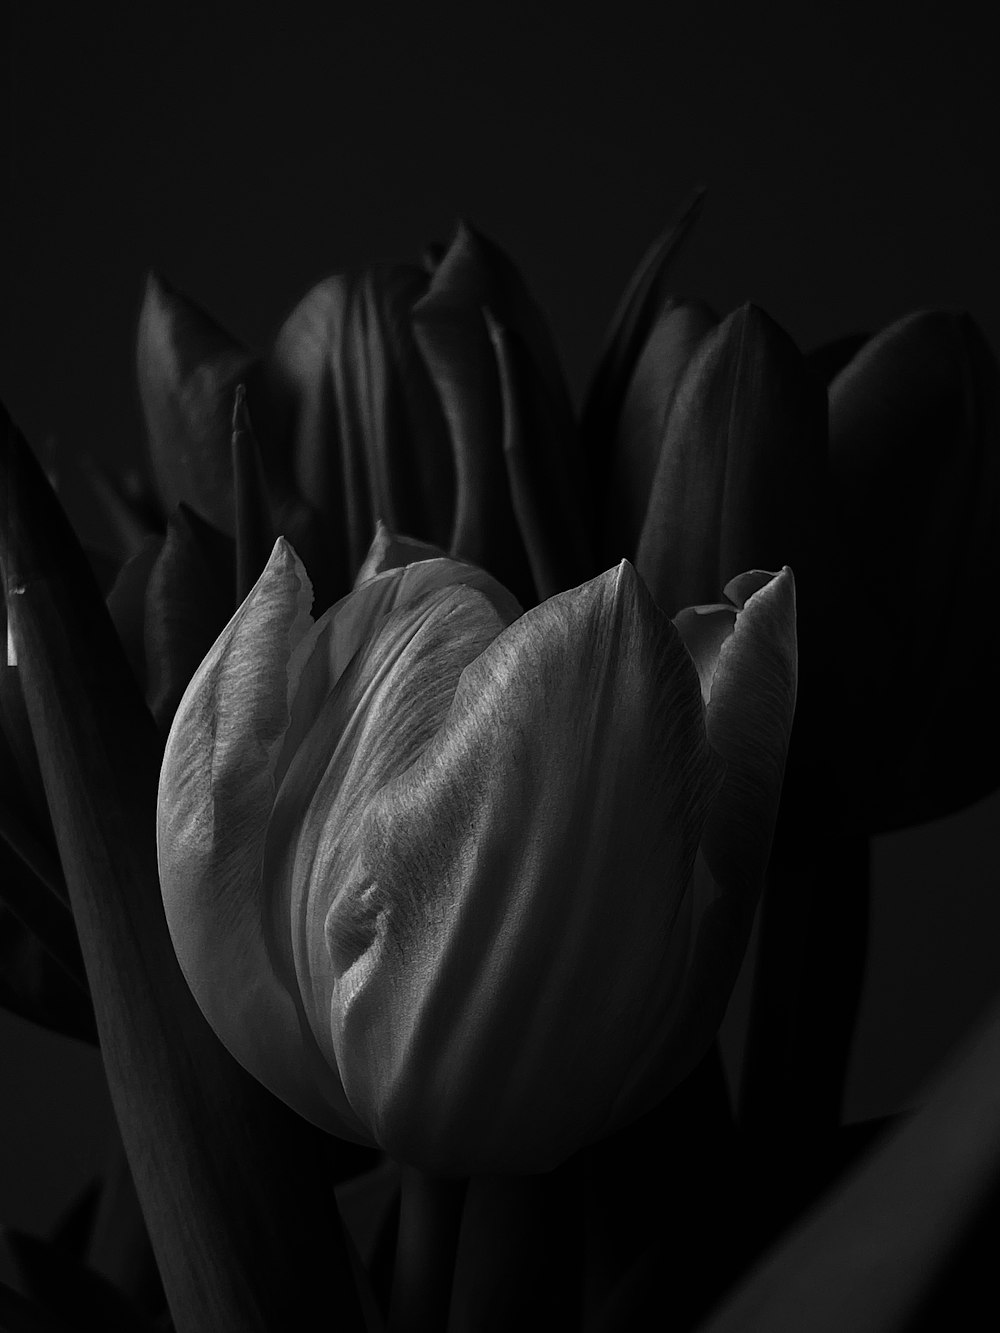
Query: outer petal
[
  {"x": 188, "y": 370},
  {"x": 749, "y": 676},
  {"x": 215, "y": 796},
  {"x": 634, "y": 320},
  {"x": 384, "y": 709},
  {"x": 739, "y": 483},
  {"x": 750, "y": 711},
  {"x": 503, "y": 910},
  {"x": 349, "y": 387},
  {"x": 453, "y": 335},
  {"x": 915, "y": 471},
  {"x": 637, "y": 434}
]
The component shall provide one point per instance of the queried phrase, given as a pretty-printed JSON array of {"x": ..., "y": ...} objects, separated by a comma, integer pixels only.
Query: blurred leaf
[
  {"x": 126, "y": 602},
  {"x": 240, "y": 1216},
  {"x": 18, "y": 1314},
  {"x": 74, "y": 1230},
  {"x": 61, "y": 1284},
  {"x": 34, "y": 985},
  {"x": 866, "y": 1258},
  {"x": 129, "y": 514},
  {"x": 119, "y": 1248}
]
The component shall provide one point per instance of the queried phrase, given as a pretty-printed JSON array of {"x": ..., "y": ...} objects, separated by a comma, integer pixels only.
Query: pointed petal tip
[
  {"x": 744, "y": 587},
  {"x": 241, "y": 414}
]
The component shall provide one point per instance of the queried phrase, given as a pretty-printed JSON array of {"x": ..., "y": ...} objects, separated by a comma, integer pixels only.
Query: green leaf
[{"x": 240, "y": 1216}]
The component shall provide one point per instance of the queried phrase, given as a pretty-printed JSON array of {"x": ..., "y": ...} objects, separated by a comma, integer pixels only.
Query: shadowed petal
[
  {"x": 633, "y": 322},
  {"x": 188, "y": 370},
  {"x": 915, "y": 473},
  {"x": 351, "y": 391},
  {"x": 632, "y": 452},
  {"x": 739, "y": 479}
]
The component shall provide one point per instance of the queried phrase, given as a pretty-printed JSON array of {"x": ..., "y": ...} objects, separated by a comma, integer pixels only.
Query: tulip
[
  {"x": 471, "y": 885},
  {"x": 433, "y": 400}
]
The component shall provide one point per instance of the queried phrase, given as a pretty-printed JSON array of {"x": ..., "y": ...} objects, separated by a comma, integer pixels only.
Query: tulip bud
[
  {"x": 470, "y": 885},
  {"x": 915, "y": 473}
]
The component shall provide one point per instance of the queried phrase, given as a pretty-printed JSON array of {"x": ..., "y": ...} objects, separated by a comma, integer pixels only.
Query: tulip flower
[{"x": 467, "y": 884}]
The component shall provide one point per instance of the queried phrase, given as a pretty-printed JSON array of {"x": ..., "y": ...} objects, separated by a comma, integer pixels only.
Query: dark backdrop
[{"x": 246, "y": 151}]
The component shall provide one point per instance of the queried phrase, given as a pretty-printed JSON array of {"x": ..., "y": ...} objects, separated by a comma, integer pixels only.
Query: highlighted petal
[
  {"x": 216, "y": 794},
  {"x": 512, "y": 897},
  {"x": 382, "y": 713}
]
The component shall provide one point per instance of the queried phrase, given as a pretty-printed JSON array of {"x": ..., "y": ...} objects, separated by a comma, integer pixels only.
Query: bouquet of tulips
[{"x": 393, "y": 807}]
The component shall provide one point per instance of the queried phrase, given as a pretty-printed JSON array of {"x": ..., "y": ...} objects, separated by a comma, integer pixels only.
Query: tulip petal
[
  {"x": 539, "y": 445},
  {"x": 353, "y": 392},
  {"x": 390, "y": 550},
  {"x": 749, "y": 717},
  {"x": 188, "y": 600},
  {"x": 829, "y": 359},
  {"x": 453, "y": 336},
  {"x": 749, "y": 676},
  {"x": 384, "y": 709},
  {"x": 505, "y": 909},
  {"x": 216, "y": 795},
  {"x": 253, "y": 514},
  {"x": 638, "y": 312},
  {"x": 188, "y": 370},
  {"x": 325, "y": 651},
  {"x": 915, "y": 470},
  {"x": 739, "y": 480},
  {"x": 632, "y": 450}
]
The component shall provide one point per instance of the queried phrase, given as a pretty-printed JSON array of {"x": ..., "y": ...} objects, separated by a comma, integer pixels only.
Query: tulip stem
[{"x": 429, "y": 1220}]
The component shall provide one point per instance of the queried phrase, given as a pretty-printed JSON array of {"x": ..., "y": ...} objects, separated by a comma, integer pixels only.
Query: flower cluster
[{"x": 427, "y": 749}]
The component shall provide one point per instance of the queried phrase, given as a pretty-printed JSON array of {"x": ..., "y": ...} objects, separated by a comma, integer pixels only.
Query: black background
[{"x": 247, "y": 151}]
